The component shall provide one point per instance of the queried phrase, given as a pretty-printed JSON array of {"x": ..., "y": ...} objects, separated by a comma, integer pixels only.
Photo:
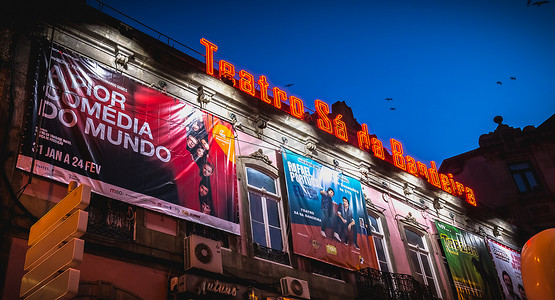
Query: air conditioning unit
[
  {"x": 294, "y": 287},
  {"x": 202, "y": 253}
]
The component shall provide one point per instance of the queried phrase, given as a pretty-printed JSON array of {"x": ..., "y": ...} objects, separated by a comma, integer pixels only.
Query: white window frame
[
  {"x": 380, "y": 234},
  {"x": 267, "y": 196},
  {"x": 425, "y": 251}
]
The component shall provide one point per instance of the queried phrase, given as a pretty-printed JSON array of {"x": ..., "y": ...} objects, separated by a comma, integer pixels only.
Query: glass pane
[
  {"x": 273, "y": 213},
  {"x": 520, "y": 182},
  {"x": 261, "y": 180},
  {"x": 426, "y": 265},
  {"x": 258, "y": 233},
  {"x": 383, "y": 266},
  {"x": 379, "y": 248},
  {"x": 521, "y": 166},
  {"x": 256, "y": 207},
  {"x": 414, "y": 239},
  {"x": 531, "y": 180},
  {"x": 275, "y": 238},
  {"x": 374, "y": 224},
  {"x": 419, "y": 277},
  {"x": 414, "y": 259},
  {"x": 431, "y": 285}
]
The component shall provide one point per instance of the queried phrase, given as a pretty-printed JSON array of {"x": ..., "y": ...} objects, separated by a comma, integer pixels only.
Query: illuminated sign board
[{"x": 246, "y": 83}]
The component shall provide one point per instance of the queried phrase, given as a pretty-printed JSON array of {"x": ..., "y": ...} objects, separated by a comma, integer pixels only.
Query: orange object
[{"x": 538, "y": 266}]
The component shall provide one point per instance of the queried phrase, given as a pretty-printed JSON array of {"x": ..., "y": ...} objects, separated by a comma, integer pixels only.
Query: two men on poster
[{"x": 328, "y": 215}]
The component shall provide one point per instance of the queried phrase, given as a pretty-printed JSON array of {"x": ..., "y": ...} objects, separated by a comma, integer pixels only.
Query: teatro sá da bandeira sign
[{"x": 274, "y": 96}]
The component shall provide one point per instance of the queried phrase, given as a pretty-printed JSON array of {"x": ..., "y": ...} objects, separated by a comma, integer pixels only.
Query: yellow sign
[
  {"x": 70, "y": 255},
  {"x": 65, "y": 286},
  {"x": 56, "y": 249},
  {"x": 73, "y": 227},
  {"x": 79, "y": 198}
]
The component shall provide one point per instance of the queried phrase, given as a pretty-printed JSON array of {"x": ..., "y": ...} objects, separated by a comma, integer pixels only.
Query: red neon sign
[
  {"x": 323, "y": 111},
  {"x": 336, "y": 126}
]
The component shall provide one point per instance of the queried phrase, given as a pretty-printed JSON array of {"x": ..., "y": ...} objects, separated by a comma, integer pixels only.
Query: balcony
[
  {"x": 111, "y": 218},
  {"x": 378, "y": 285}
]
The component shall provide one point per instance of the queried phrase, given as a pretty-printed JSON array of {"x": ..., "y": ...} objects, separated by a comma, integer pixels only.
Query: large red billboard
[{"x": 131, "y": 142}]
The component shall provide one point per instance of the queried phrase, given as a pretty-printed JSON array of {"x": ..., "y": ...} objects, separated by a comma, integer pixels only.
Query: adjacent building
[
  {"x": 208, "y": 182},
  {"x": 514, "y": 171}
]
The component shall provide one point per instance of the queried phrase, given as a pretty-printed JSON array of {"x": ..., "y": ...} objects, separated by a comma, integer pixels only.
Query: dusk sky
[{"x": 439, "y": 61}]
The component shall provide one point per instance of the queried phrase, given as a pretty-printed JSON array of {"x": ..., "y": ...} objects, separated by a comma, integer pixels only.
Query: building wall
[
  {"x": 154, "y": 251},
  {"x": 488, "y": 169}
]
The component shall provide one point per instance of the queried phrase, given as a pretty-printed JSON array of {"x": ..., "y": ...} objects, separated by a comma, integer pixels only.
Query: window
[
  {"x": 524, "y": 177},
  {"x": 265, "y": 210},
  {"x": 419, "y": 257},
  {"x": 379, "y": 242}
]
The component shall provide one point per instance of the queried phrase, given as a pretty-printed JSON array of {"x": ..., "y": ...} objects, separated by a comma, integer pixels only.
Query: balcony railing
[
  {"x": 271, "y": 254},
  {"x": 375, "y": 284},
  {"x": 111, "y": 218}
]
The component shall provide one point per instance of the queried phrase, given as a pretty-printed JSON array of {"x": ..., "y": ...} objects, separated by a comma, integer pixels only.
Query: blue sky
[{"x": 440, "y": 61}]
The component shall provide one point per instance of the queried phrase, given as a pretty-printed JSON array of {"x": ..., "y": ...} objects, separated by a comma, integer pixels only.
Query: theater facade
[{"x": 209, "y": 182}]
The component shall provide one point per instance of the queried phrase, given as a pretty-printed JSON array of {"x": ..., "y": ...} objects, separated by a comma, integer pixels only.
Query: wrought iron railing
[
  {"x": 375, "y": 284},
  {"x": 328, "y": 270},
  {"x": 271, "y": 254},
  {"x": 111, "y": 218}
]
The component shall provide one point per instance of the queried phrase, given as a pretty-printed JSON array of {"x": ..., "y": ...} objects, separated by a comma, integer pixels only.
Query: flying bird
[
  {"x": 288, "y": 85},
  {"x": 512, "y": 78},
  {"x": 392, "y": 108},
  {"x": 388, "y": 99},
  {"x": 540, "y": 3},
  {"x": 499, "y": 82}
]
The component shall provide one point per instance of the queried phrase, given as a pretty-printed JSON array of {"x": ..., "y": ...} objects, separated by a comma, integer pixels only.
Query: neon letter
[
  {"x": 411, "y": 166},
  {"x": 363, "y": 138},
  {"x": 296, "y": 106},
  {"x": 227, "y": 70},
  {"x": 377, "y": 148},
  {"x": 323, "y": 110},
  {"x": 452, "y": 183},
  {"x": 210, "y": 48},
  {"x": 246, "y": 83},
  {"x": 279, "y": 96},
  {"x": 460, "y": 188},
  {"x": 397, "y": 149},
  {"x": 422, "y": 169},
  {"x": 264, "y": 89},
  {"x": 340, "y": 128},
  {"x": 445, "y": 183},
  {"x": 470, "y": 196},
  {"x": 434, "y": 177}
]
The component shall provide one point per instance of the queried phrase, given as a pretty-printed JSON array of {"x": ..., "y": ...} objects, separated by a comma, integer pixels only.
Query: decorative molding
[
  {"x": 205, "y": 95},
  {"x": 259, "y": 155},
  {"x": 407, "y": 190},
  {"x": 261, "y": 122},
  {"x": 310, "y": 147},
  {"x": 410, "y": 218},
  {"x": 437, "y": 204},
  {"x": 123, "y": 55}
]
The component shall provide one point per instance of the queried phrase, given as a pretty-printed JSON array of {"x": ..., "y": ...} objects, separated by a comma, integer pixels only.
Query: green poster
[{"x": 471, "y": 267}]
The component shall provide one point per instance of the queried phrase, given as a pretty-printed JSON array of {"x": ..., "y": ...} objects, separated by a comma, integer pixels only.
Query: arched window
[
  {"x": 419, "y": 257},
  {"x": 379, "y": 242}
]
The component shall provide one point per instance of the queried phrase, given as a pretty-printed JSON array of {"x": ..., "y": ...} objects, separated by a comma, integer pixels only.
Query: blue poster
[{"x": 328, "y": 214}]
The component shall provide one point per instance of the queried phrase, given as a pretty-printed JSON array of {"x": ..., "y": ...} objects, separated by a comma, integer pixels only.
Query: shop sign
[{"x": 216, "y": 287}]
